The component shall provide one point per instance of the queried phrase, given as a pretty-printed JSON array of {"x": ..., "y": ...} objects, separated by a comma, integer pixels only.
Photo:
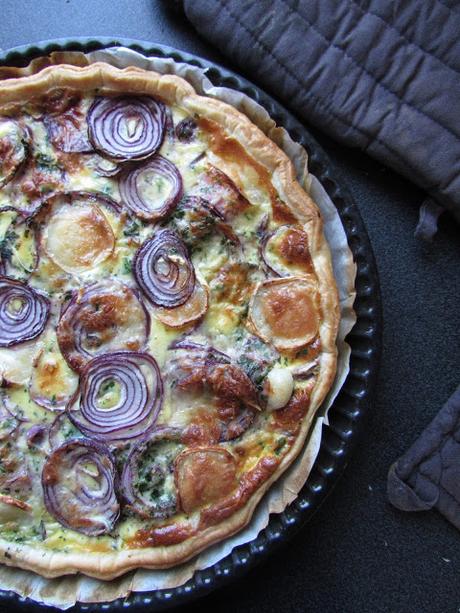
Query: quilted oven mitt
[
  {"x": 381, "y": 75},
  {"x": 428, "y": 475},
  {"x": 384, "y": 76}
]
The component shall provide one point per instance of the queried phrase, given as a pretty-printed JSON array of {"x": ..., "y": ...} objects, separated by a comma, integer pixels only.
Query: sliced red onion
[
  {"x": 237, "y": 424},
  {"x": 195, "y": 218},
  {"x": 186, "y": 130},
  {"x": 16, "y": 474},
  {"x": 278, "y": 270},
  {"x": 140, "y": 396},
  {"x": 102, "y": 166},
  {"x": 220, "y": 190},
  {"x": 201, "y": 367},
  {"x": 197, "y": 159},
  {"x": 14, "y": 148},
  {"x": 72, "y": 198},
  {"x": 305, "y": 371},
  {"x": 61, "y": 430},
  {"x": 164, "y": 270},
  {"x": 126, "y": 127},
  {"x": 210, "y": 353},
  {"x": 11, "y": 407},
  {"x": 145, "y": 191},
  {"x": 37, "y": 435},
  {"x": 79, "y": 487},
  {"x": 95, "y": 321},
  {"x": 23, "y": 312},
  {"x": 66, "y": 133},
  {"x": 147, "y": 480},
  {"x": 8, "y": 423},
  {"x": 169, "y": 125}
]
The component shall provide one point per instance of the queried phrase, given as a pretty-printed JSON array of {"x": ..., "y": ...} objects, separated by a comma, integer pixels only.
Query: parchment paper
[{"x": 63, "y": 592}]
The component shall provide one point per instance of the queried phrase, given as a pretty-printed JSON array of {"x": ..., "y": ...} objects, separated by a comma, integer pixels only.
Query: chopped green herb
[{"x": 127, "y": 266}]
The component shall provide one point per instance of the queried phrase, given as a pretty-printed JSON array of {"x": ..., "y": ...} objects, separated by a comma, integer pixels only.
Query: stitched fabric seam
[
  {"x": 428, "y": 455},
  {"x": 325, "y": 108},
  {"x": 439, "y": 486},
  {"x": 411, "y": 42},
  {"x": 291, "y": 11}
]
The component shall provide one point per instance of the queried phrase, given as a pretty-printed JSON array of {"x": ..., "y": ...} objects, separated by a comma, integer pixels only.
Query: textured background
[{"x": 358, "y": 553}]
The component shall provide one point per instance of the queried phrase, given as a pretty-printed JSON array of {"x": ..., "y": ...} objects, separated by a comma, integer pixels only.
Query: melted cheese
[{"x": 86, "y": 244}]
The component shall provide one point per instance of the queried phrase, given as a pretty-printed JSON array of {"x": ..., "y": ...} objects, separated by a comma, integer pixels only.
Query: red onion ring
[
  {"x": 93, "y": 311},
  {"x": 144, "y": 206},
  {"x": 25, "y": 322},
  {"x": 79, "y": 487},
  {"x": 163, "y": 270},
  {"x": 142, "y": 481},
  {"x": 141, "y": 397},
  {"x": 207, "y": 351},
  {"x": 111, "y": 129}
]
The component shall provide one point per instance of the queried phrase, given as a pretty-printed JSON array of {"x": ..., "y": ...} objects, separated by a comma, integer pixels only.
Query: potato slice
[
  {"x": 285, "y": 312},
  {"x": 203, "y": 476},
  {"x": 78, "y": 237},
  {"x": 187, "y": 313}
]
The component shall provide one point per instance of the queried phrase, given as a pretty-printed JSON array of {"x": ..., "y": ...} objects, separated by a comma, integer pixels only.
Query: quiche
[{"x": 168, "y": 318}]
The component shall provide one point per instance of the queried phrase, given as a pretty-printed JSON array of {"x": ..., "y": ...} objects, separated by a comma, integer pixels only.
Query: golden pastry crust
[{"x": 217, "y": 522}]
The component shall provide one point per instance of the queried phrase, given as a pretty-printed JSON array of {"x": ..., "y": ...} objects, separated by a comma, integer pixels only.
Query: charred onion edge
[{"x": 50, "y": 478}]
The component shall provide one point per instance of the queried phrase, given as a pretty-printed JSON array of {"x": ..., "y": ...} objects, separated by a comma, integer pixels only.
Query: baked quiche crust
[{"x": 238, "y": 144}]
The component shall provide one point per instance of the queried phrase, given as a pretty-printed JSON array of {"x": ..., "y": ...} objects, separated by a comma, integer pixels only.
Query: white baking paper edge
[{"x": 63, "y": 592}]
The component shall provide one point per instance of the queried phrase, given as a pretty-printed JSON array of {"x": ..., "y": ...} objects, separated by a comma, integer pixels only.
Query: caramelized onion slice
[
  {"x": 285, "y": 312},
  {"x": 67, "y": 132},
  {"x": 23, "y": 312},
  {"x": 151, "y": 191},
  {"x": 147, "y": 481},
  {"x": 119, "y": 397},
  {"x": 163, "y": 270},
  {"x": 190, "y": 312},
  {"x": 222, "y": 193},
  {"x": 103, "y": 317},
  {"x": 126, "y": 127},
  {"x": 14, "y": 148},
  {"x": 79, "y": 487}
]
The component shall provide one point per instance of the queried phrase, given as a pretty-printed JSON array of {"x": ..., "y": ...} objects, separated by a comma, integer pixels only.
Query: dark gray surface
[{"x": 358, "y": 553}]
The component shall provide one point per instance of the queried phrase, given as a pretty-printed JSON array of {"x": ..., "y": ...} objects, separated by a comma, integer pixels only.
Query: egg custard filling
[{"x": 168, "y": 317}]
